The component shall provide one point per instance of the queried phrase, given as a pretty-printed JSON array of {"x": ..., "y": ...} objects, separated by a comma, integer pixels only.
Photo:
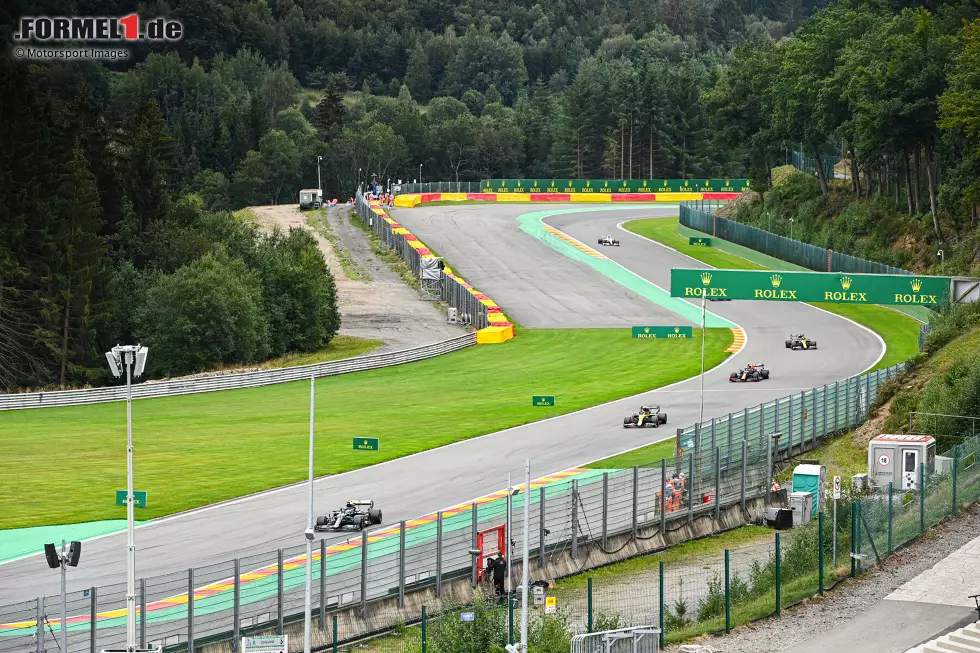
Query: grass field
[
  {"x": 900, "y": 332},
  {"x": 197, "y": 449}
]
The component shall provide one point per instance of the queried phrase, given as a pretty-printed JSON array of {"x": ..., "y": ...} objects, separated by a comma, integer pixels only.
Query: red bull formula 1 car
[
  {"x": 750, "y": 373},
  {"x": 646, "y": 416}
]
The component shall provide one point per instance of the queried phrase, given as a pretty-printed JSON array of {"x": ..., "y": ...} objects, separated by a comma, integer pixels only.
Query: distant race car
[
  {"x": 646, "y": 416},
  {"x": 750, "y": 373},
  {"x": 800, "y": 342},
  {"x": 608, "y": 240},
  {"x": 355, "y": 514}
]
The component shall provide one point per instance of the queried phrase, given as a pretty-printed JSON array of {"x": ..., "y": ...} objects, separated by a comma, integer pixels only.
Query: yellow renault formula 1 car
[
  {"x": 646, "y": 416},
  {"x": 800, "y": 341}
]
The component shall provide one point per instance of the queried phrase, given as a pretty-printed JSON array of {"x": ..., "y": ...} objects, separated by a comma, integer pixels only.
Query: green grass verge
[
  {"x": 197, "y": 449},
  {"x": 900, "y": 332},
  {"x": 339, "y": 347}
]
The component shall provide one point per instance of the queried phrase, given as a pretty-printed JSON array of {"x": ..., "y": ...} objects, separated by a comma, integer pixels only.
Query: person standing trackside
[{"x": 499, "y": 571}]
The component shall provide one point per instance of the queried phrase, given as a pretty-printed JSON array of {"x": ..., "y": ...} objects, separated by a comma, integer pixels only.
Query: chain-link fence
[
  {"x": 700, "y": 215},
  {"x": 439, "y": 187},
  {"x": 809, "y": 164},
  {"x": 449, "y": 289}
]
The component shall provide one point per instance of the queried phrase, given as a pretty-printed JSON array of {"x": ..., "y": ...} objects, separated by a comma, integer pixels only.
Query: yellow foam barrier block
[
  {"x": 513, "y": 197},
  {"x": 399, "y": 230},
  {"x": 493, "y": 335},
  {"x": 679, "y": 197},
  {"x": 417, "y": 244},
  {"x": 407, "y": 201},
  {"x": 453, "y": 197},
  {"x": 488, "y": 302},
  {"x": 590, "y": 197}
]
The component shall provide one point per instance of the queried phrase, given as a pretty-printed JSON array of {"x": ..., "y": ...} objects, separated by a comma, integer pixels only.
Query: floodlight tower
[{"x": 133, "y": 359}]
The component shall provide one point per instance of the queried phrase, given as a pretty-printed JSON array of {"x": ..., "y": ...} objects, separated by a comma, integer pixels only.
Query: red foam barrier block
[
  {"x": 494, "y": 309},
  {"x": 720, "y": 196},
  {"x": 481, "y": 296},
  {"x": 481, "y": 197},
  {"x": 633, "y": 197},
  {"x": 430, "y": 197},
  {"x": 423, "y": 251},
  {"x": 551, "y": 197}
]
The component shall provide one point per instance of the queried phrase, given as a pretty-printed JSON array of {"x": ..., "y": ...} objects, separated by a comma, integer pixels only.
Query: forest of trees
[{"x": 117, "y": 180}]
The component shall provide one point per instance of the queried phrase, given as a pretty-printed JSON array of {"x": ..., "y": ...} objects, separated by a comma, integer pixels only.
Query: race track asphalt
[{"x": 537, "y": 286}]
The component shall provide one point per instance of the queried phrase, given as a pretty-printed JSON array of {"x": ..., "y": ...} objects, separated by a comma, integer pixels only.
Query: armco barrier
[
  {"x": 473, "y": 307},
  {"x": 410, "y": 200},
  {"x": 233, "y": 381}
]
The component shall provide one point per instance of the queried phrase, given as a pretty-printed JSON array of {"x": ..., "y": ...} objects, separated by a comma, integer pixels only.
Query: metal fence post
[
  {"x": 439, "y": 553},
  {"x": 717, "y": 484},
  {"x": 744, "y": 471},
  {"x": 728, "y": 449},
  {"x": 922, "y": 498},
  {"x": 690, "y": 490},
  {"x": 854, "y": 518},
  {"x": 769, "y": 470},
  {"x": 890, "y": 513},
  {"x": 336, "y": 638},
  {"x": 142, "y": 612},
  {"x": 836, "y": 405},
  {"x": 956, "y": 460},
  {"x": 190, "y": 610},
  {"x": 39, "y": 623},
  {"x": 541, "y": 528},
  {"x": 712, "y": 433},
  {"x": 589, "y": 624},
  {"x": 425, "y": 623},
  {"x": 323, "y": 585},
  {"x": 867, "y": 394},
  {"x": 745, "y": 424},
  {"x": 279, "y": 582},
  {"x": 824, "y": 431},
  {"x": 574, "y": 523},
  {"x": 605, "y": 506},
  {"x": 820, "y": 554},
  {"x": 663, "y": 626},
  {"x": 789, "y": 424},
  {"x": 364, "y": 574},
  {"x": 728, "y": 594},
  {"x": 847, "y": 402},
  {"x": 474, "y": 565},
  {"x": 663, "y": 494},
  {"x": 401, "y": 564},
  {"x": 779, "y": 580},
  {"x": 236, "y": 608},
  {"x": 636, "y": 495},
  {"x": 94, "y": 618}
]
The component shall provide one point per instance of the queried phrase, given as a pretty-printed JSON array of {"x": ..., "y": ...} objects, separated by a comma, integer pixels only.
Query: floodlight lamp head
[
  {"x": 51, "y": 555},
  {"x": 141, "y": 353},
  {"x": 114, "y": 365},
  {"x": 309, "y": 534}
]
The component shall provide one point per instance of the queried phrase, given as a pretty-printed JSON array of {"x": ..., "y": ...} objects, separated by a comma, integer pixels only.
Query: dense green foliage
[{"x": 894, "y": 87}]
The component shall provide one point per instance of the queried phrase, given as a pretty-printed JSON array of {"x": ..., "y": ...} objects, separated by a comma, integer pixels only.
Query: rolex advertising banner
[
  {"x": 614, "y": 185},
  {"x": 834, "y": 287}
]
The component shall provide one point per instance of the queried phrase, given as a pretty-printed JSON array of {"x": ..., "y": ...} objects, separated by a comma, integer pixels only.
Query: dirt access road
[{"x": 380, "y": 306}]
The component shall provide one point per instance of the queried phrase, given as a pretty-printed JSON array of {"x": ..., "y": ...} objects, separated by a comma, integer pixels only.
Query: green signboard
[
  {"x": 543, "y": 400},
  {"x": 139, "y": 498},
  {"x": 700, "y": 242},
  {"x": 367, "y": 444},
  {"x": 663, "y": 332},
  {"x": 614, "y": 185},
  {"x": 837, "y": 287}
]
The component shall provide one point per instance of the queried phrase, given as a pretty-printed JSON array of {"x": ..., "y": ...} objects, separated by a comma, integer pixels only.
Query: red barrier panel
[
  {"x": 430, "y": 197},
  {"x": 633, "y": 197},
  {"x": 720, "y": 196},
  {"x": 481, "y": 197},
  {"x": 551, "y": 197}
]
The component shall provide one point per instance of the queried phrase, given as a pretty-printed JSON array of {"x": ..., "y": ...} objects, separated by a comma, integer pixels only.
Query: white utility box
[
  {"x": 895, "y": 458},
  {"x": 801, "y": 504}
]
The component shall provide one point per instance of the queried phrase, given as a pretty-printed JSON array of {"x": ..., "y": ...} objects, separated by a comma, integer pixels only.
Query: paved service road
[{"x": 536, "y": 287}]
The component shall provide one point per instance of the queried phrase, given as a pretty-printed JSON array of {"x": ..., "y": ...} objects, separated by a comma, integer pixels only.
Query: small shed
[
  {"x": 896, "y": 458},
  {"x": 811, "y": 478}
]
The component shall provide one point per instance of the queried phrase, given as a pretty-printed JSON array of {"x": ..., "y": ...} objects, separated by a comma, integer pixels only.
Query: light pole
[
  {"x": 133, "y": 357},
  {"x": 524, "y": 560},
  {"x": 791, "y": 228},
  {"x": 64, "y": 560},
  {"x": 420, "y": 174},
  {"x": 319, "y": 184},
  {"x": 942, "y": 262},
  {"x": 511, "y": 493},
  {"x": 359, "y": 177},
  {"x": 307, "y": 635}
]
